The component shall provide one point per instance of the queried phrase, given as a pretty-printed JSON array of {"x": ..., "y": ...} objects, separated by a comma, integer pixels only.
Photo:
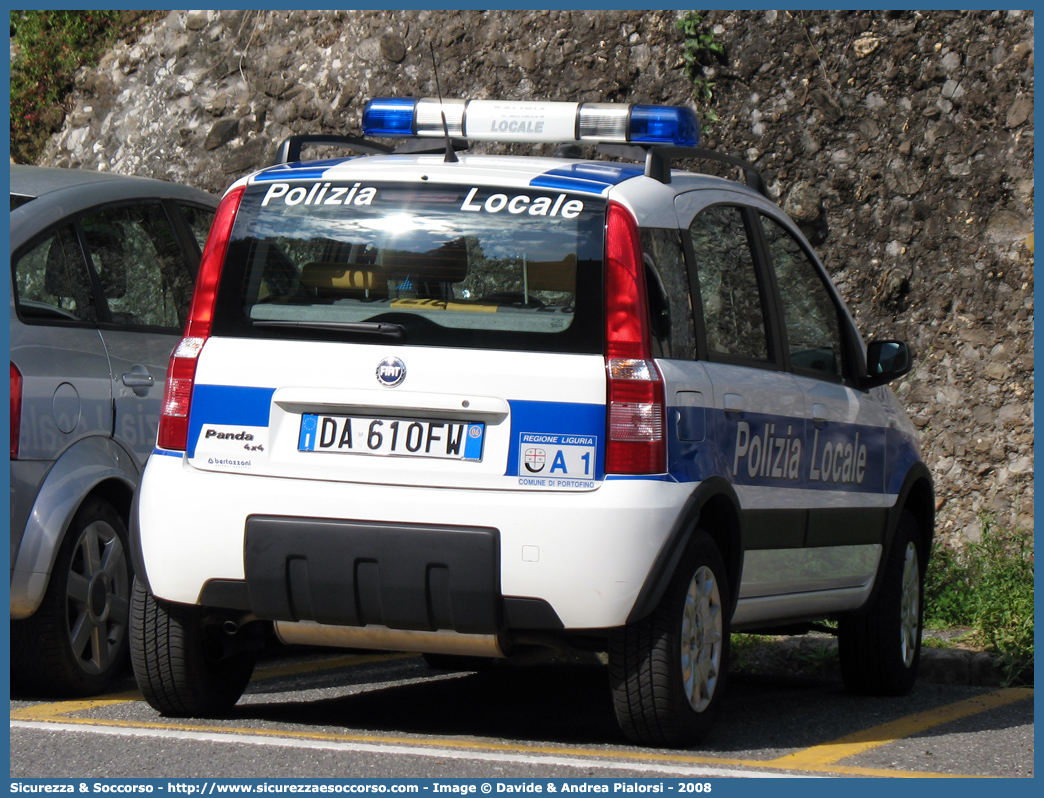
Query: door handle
[
  {"x": 733, "y": 404},
  {"x": 138, "y": 379},
  {"x": 132, "y": 380},
  {"x": 819, "y": 417}
]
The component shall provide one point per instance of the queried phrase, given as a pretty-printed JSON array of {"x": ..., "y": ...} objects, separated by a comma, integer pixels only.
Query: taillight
[
  {"x": 181, "y": 372},
  {"x": 16, "y": 409},
  {"x": 201, "y": 314},
  {"x": 177, "y": 395},
  {"x": 637, "y": 441}
]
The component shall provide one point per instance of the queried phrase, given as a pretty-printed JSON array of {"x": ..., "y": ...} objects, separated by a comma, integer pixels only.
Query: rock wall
[{"x": 902, "y": 141}]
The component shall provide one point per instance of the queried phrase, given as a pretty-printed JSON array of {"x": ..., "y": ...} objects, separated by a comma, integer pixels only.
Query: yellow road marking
[
  {"x": 487, "y": 747},
  {"x": 61, "y": 708},
  {"x": 817, "y": 759},
  {"x": 860, "y": 741}
]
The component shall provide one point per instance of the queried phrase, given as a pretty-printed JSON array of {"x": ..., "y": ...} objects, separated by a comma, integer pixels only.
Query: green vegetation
[
  {"x": 742, "y": 647},
  {"x": 52, "y": 45},
  {"x": 984, "y": 587},
  {"x": 700, "y": 50},
  {"x": 820, "y": 656},
  {"x": 987, "y": 586}
]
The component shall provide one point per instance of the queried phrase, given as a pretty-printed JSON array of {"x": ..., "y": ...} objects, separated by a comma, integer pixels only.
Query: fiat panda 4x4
[{"x": 477, "y": 405}]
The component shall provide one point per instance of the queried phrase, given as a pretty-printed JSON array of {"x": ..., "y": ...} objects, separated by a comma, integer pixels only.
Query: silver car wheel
[
  {"x": 910, "y": 607},
  {"x": 97, "y": 597},
  {"x": 701, "y": 639}
]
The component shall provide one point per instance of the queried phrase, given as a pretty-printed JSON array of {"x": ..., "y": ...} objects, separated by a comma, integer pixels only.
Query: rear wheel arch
[
  {"x": 115, "y": 490},
  {"x": 714, "y": 509},
  {"x": 92, "y": 468}
]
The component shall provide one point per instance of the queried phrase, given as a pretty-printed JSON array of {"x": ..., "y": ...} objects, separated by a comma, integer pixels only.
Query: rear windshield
[{"x": 436, "y": 265}]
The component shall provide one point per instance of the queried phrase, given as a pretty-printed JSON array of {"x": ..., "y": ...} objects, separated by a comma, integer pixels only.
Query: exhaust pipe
[{"x": 310, "y": 633}]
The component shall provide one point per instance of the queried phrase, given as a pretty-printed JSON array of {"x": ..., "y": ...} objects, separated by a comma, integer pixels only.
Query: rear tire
[
  {"x": 180, "y": 663},
  {"x": 668, "y": 670},
  {"x": 880, "y": 648},
  {"x": 75, "y": 644}
]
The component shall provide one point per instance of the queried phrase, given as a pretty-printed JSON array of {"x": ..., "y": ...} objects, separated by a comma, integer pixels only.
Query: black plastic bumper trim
[
  {"x": 352, "y": 573},
  {"x": 227, "y": 594}
]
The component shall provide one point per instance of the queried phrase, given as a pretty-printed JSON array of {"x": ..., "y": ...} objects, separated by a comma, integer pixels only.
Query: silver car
[{"x": 102, "y": 271}]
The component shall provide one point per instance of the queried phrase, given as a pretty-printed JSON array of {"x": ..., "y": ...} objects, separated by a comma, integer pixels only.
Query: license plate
[{"x": 406, "y": 437}]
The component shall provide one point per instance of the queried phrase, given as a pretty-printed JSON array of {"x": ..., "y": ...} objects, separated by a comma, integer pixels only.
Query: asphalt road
[{"x": 345, "y": 715}]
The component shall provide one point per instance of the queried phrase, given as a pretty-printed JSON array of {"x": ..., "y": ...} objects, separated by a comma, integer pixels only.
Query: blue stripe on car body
[
  {"x": 590, "y": 178},
  {"x": 310, "y": 170},
  {"x": 795, "y": 460},
  {"x": 556, "y": 419},
  {"x": 227, "y": 404}
]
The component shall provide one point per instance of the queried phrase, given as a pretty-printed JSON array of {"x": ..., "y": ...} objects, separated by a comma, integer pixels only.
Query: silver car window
[
  {"x": 733, "y": 315},
  {"x": 810, "y": 316},
  {"x": 52, "y": 282},
  {"x": 141, "y": 269}
]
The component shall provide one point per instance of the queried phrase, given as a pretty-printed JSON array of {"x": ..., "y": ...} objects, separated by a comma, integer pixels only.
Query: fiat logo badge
[{"x": 391, "y": 372}]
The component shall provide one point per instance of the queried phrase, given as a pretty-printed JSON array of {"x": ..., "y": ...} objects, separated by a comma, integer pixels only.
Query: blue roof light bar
[
  {"x": 389, "y": 117},
  {"x": 664, "y": 124},
  {"x": 540, "y": 122}
]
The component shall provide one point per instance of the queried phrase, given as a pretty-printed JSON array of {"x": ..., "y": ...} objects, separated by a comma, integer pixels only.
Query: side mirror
[{"x": 886, "y": 361}]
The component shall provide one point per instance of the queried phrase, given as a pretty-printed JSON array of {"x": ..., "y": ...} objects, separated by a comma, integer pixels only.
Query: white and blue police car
[{"x": 482, "y": 405}]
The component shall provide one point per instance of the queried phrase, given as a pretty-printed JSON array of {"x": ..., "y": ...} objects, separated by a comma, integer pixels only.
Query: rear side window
[
  {"x": 733, "y": 315},
  {"x": 141, "y": 269},
  {"x": 448, "y": 265},
  {"x": 52, "y": 282},
  {"x": 667, "y": 286}
]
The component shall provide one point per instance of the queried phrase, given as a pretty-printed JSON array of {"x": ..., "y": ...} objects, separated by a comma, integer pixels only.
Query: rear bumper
[
  {"x": 421, "y": 578},
  {"x": 451, "y": 558}
]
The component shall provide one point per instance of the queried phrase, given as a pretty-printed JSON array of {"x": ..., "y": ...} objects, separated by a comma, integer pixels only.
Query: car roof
[
  {"x": 521, "y": 171},
  {"x": 57, "y": 193},
  {"x": 651, "y": 200}
]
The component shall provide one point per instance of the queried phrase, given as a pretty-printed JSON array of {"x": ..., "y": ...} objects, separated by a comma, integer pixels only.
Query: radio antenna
[{"x": 451, "y": 156}]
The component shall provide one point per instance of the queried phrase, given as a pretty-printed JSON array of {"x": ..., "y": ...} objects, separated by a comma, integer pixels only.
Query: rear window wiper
[{"x": 384, "y": 328}]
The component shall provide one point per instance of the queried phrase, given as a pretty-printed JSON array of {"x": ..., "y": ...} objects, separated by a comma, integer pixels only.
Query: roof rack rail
[
  {"x": 658, "y": 161},
  {"x": 290, "y": 150}
]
